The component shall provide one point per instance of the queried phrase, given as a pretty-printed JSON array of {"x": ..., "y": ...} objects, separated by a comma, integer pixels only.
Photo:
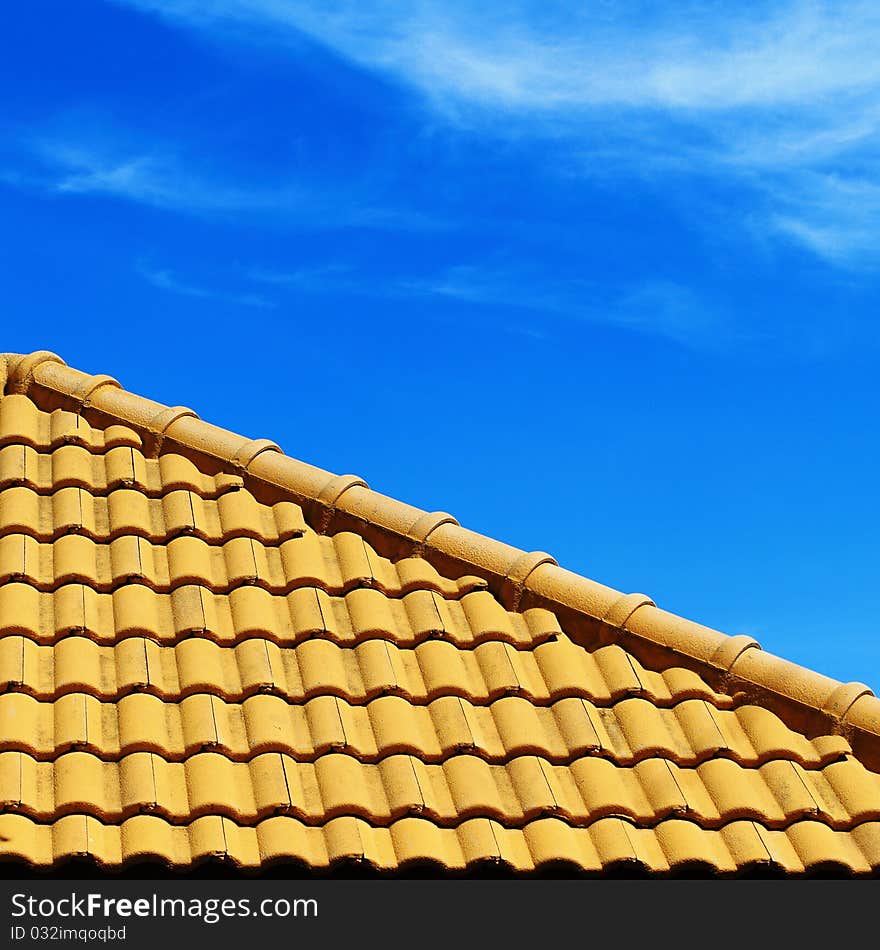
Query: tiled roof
[{"x": 211, "y": 650}]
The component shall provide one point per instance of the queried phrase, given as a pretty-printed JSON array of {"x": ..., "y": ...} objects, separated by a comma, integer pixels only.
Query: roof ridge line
[{"x": 518, "y": 577}]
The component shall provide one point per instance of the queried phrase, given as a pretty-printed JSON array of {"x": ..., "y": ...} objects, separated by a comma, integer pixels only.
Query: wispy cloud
[
  {"x": 554, "y": 54},
  {"x": 837, "y": 216},
  {"x": 162, "y": 181},
  {"x": 69, "y": 161},
  {"x": 662, "y": 309},
  {"x": 772, "y": 96},
  {"x": 531, "y": 303},
  {"x": 165, "y": 279},
  {"x": 333, "y": 278}
]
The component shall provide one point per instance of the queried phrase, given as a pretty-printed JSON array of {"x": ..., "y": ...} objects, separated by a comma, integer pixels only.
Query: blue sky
[{"x": 599, "y": 279}]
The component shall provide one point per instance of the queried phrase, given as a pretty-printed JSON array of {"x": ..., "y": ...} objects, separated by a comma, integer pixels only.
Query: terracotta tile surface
[{"x": 197, "y": 662}]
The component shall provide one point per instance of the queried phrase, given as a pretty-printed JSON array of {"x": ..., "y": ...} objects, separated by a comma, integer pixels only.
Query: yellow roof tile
[{"x": 210, "y": 650}]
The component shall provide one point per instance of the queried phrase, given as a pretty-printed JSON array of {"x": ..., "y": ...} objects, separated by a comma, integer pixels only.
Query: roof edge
[{"x": 519, "y": 578}]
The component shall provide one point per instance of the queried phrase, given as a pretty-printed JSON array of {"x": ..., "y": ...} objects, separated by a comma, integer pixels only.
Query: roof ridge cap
[
  {"x": 520, "y": 578},
  {"x": 19, "y": 369}
]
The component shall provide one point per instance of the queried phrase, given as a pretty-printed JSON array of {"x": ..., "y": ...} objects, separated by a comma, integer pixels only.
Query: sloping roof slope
[{"x": 211, "y": 650}]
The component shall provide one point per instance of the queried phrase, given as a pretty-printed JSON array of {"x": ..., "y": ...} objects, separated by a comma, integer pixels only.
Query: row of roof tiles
[
  {"x": 119, "y": 469},
  {"x": 137, "y": 609},
  {"x": 842, "y": 793},
  {"x": 334, "y": 564},
  {"x": 551, "y": 671},
  {"x": 674, "y": 845},
  {"x": 630, "y": 731},
  {"x": 22, "y": 423},
  {"x": 124, "y": 511}
]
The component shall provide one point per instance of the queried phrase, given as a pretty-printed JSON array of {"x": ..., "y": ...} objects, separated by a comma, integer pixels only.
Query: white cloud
[
  {"x": 769, "y": 95},
  {"x": 332, "y": 277},
  {"x": 836, "y": 216},
  {"x": 663, "y": 309},
  {"x": 112, "y": 162},
  {"x": 165, "y": 279},
  {"x": 557, "y": 54},
  {"x": 147, "y": 179},
  {"x": 657, "y": 308}
]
